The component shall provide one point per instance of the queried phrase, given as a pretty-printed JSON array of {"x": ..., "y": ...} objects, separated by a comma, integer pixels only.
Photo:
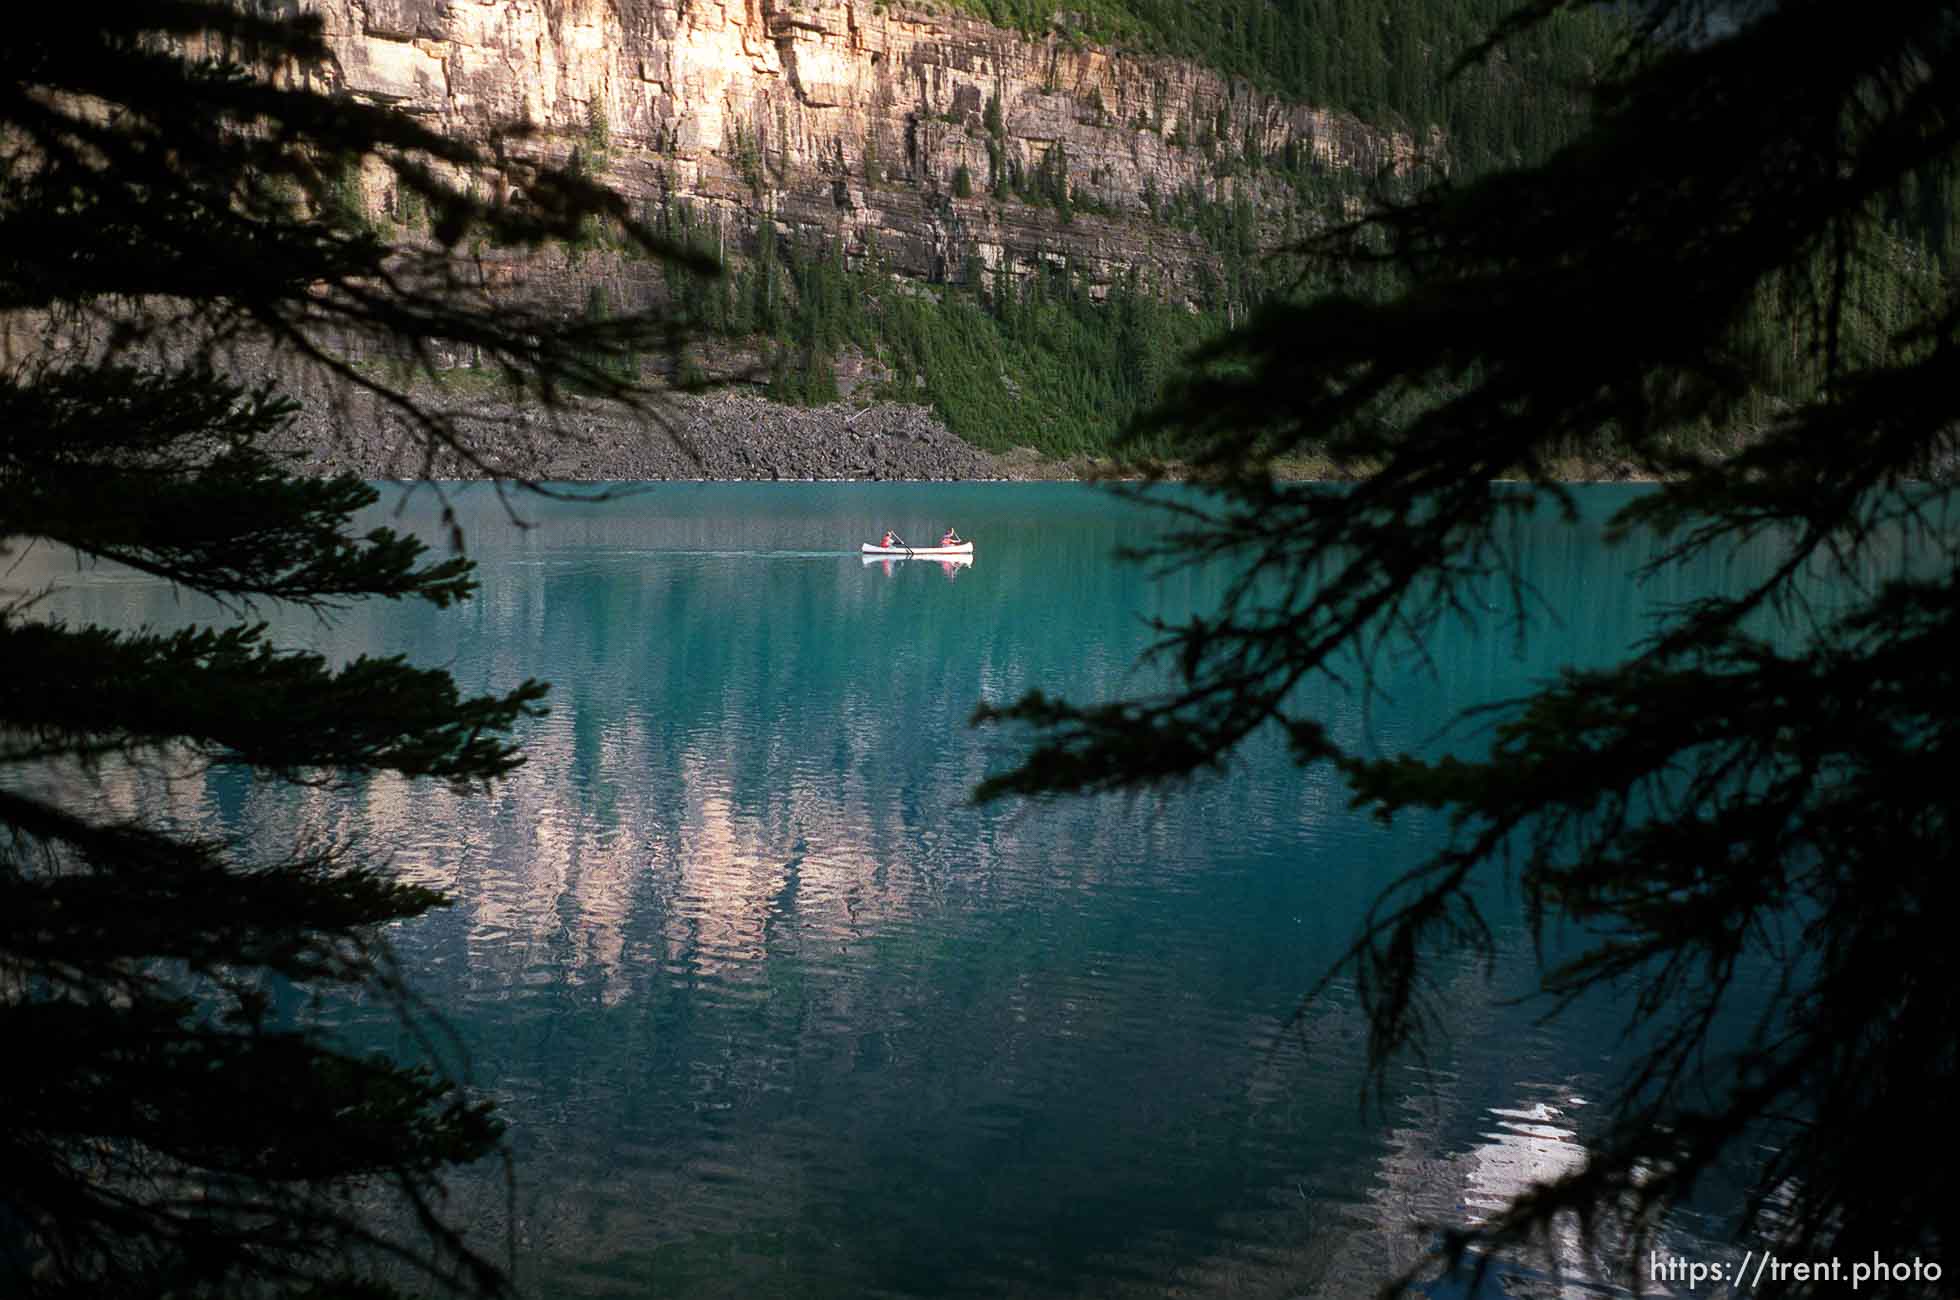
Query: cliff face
[{"x": 851, "y": 119}]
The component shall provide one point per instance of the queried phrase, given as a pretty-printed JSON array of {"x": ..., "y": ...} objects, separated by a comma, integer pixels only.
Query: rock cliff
[{"x": 852, "y": 120}]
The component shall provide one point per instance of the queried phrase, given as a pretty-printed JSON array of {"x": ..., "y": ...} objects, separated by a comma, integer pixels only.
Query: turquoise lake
[{"x": 773, "y": 1010}]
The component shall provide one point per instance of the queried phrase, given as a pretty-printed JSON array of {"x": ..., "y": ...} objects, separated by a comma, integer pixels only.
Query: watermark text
[{"x": 1758, "y": 1267}]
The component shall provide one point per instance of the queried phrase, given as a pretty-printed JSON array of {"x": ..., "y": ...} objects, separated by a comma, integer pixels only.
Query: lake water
[{"x": 773, "y": 1010}]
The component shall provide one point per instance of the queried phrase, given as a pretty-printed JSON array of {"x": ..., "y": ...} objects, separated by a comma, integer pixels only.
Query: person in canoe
[
  {"x": 952, "y": 537},
  {"x": 889, "y": 539}
]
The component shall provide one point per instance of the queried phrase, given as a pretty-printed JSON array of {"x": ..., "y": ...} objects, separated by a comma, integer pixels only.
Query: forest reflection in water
[{"x": 773, "y": 1009}]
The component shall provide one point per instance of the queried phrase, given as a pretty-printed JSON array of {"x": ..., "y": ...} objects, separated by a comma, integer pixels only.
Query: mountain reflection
[{"x": 773, "y": 1010}]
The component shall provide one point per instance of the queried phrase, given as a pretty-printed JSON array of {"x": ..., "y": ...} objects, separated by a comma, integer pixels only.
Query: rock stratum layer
[{"x": 851, "y": 121}]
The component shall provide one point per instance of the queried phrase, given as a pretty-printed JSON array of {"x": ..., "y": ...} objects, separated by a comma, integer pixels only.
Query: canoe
[{"x": 924, "y": 552}]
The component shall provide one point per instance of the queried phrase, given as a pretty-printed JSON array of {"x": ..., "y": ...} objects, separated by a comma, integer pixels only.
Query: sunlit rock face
[{"x": 848, "y": 120}]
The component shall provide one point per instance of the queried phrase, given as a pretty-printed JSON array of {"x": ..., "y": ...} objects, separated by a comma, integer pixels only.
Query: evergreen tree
[
  {"x": 168, "y": 192},
  {"x": 1725, "y": 797}
]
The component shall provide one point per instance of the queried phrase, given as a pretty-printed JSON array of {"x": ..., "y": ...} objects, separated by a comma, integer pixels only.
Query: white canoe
[{"x": 924, "y": 552}]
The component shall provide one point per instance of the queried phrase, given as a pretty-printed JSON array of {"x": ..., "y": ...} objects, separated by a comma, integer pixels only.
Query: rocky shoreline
[{"x": 721, "y": 436}]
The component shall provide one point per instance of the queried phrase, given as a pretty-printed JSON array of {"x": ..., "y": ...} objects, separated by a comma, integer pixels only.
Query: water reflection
[
  {"x": 950, "y": 565},
  {"x": 773, "y": 1010}
]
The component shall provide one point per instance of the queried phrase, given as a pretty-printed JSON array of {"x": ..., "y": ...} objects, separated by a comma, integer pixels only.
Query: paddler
[
  {"x": 951, "y": 538},
  {"x": 890, "y": 539}
]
